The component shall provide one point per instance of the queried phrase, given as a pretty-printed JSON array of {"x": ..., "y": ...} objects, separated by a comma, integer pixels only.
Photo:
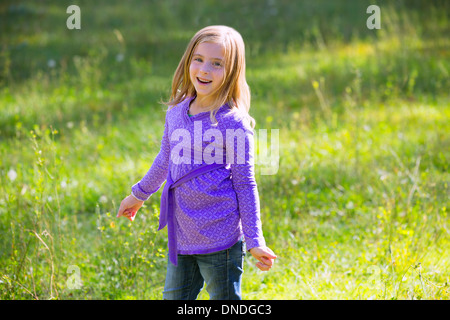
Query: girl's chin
[{"x": 201, "y": 91}]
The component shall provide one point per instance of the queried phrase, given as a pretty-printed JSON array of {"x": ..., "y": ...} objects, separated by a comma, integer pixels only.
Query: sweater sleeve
[
  {"x": 244, "y": 184},
  {"x": 157, "y": 173}
]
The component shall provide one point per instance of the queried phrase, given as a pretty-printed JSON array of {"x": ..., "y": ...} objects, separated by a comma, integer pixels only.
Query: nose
[{"x": 205, "y": 68}]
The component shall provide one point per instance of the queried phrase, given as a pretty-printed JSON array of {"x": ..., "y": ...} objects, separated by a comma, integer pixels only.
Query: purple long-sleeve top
[{"x": 211, "y": 211}]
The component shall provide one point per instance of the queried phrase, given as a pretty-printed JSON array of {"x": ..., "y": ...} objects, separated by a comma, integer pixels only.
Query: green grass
[{"x": 357, "y": 210}]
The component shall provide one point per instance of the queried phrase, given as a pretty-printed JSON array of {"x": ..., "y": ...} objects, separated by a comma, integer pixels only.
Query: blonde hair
[{"x": 234, "y": 89}]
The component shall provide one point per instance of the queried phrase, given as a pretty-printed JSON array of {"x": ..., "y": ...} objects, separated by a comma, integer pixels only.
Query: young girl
[{"x": 209, "y": 208}]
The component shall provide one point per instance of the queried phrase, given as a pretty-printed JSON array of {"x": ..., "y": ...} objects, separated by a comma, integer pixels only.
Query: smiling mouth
[{"x": 203, "y": 81}]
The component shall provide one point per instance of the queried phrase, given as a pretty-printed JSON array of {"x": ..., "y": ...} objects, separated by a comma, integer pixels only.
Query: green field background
[{"x": 358, "y": 208}]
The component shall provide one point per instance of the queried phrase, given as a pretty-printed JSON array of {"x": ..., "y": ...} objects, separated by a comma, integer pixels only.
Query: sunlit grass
[{"x": 357, "y": 210}]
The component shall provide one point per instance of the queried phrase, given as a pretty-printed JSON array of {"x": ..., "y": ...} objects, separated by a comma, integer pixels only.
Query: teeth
[{"x": 203, "y": 81}]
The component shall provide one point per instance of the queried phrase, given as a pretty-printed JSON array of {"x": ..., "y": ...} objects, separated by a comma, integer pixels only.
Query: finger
[
  {"x": 266, "y": 261},
  {"x": 130, "y": 214},
  {"x": 262, "y": 266},
  {"x": 269, "y": 253},
  {"x": 121, "y": 211},
  {"x": 125, "y": 213}
]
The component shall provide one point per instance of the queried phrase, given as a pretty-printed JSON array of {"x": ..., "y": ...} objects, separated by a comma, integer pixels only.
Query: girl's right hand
[{"x": 129, "y": 207}]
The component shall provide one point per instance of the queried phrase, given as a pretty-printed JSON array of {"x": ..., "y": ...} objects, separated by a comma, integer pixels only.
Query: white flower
[
  {"x": 12, "y": 174},
  {"x": 120, "y": 57},
  {"x": 350, "y": 205},
  {"x": 63, "y": 184},
  {"x": 70, "y": 124},
  {"x": 103, "y": 199},
  {"x": 51, "y": 63},
  {"x": 74, "y": 183}
]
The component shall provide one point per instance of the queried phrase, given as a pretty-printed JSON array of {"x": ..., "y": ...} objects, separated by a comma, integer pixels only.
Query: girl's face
[{"x": 207, "y": 70}]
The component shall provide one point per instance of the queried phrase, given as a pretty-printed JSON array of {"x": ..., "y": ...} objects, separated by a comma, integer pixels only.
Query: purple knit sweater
[{"x": 211, "y": 211}]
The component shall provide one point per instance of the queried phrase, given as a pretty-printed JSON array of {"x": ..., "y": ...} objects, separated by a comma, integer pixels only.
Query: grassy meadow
[{"x": 358, "y": 208}]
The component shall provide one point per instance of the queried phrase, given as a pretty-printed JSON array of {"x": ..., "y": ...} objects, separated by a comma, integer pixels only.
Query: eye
[
  {"x": 217, "y": 64},
  {"x": 198, "y": 59}
]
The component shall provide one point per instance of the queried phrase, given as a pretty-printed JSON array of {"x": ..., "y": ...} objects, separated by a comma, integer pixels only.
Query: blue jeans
[{"x": 221, "y": 271}]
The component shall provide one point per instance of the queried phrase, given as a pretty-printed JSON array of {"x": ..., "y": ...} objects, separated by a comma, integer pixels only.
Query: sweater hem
[{"x": 211, "y": 250}]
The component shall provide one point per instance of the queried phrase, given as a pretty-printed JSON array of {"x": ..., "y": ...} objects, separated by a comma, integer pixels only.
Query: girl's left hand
[{"x": 265, "y": 256}]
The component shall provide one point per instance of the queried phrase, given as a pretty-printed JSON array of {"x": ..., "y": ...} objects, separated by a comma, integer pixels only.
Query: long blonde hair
[{"x": 234, "y": 89}]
